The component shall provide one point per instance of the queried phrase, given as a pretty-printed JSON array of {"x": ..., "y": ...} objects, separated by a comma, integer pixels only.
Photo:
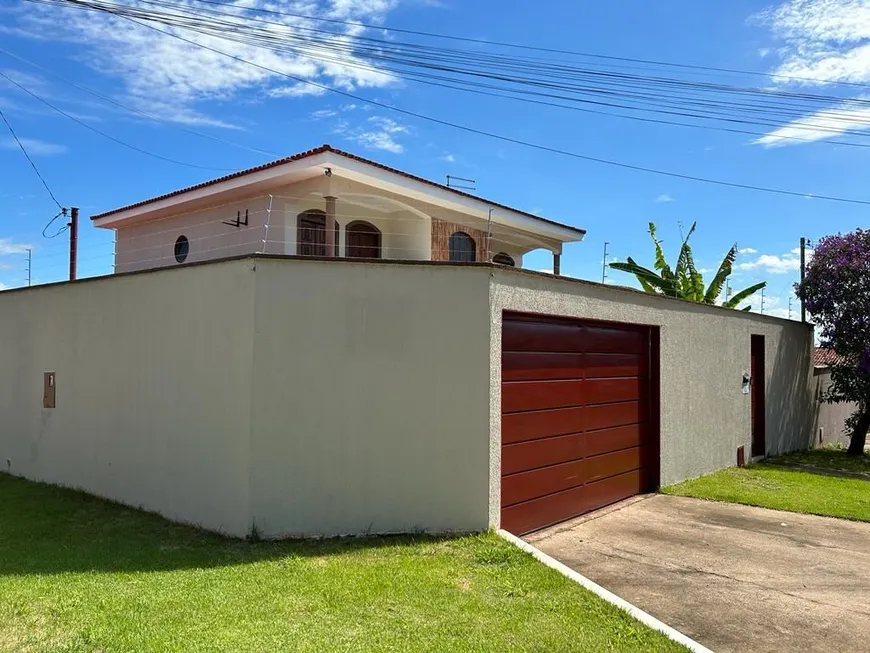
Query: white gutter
[{"x": 610, "y": 597}]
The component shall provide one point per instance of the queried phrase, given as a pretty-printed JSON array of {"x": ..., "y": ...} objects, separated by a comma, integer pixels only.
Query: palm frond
[
  {"x": 743, "y": 294},
  {"x": 721, "y": 278}
]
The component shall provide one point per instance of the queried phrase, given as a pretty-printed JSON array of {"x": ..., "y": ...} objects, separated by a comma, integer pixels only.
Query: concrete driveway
[{"x": 734, "y": 578}]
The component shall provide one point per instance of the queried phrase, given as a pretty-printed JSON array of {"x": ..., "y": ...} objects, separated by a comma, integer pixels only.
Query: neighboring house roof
[
  {"x": 824, "y": 357},
  {"x": 320, "y": 150}
]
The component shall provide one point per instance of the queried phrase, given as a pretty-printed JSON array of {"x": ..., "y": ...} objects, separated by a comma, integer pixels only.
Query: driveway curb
[{"x": 610, "y": 597}]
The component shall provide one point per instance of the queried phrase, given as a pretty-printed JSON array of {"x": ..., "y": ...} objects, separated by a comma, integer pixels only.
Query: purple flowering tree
[{"x": 836, "y": 292}]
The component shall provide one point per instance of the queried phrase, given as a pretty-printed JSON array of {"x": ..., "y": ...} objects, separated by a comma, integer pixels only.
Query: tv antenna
[{"x": 469, "y": 184}]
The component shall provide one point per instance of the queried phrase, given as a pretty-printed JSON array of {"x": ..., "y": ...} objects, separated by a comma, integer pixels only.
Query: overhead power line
[
  {"x": 29, "y": 160},
  {"x": 460, "y": 70},
  {"x": 520, "y": 46},
  {"x": 126, "y": 107},
  {"x": 102, "y": 133},
  {"x": 472, "y": 130}
]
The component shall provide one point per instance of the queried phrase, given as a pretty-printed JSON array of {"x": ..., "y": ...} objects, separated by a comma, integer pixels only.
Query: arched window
[
  {"x": 462, "y": 248},
  {"x": 363, "y": 240},
  {"x": 504, "y": 259},
  {"x": 311, "y": 233},
  {"x": 182, "y": 249}
]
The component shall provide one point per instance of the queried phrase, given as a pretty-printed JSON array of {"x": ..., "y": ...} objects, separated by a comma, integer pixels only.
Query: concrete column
[
  {"x": 330, "y": 225},
  {"x": 557, "y": 264}
]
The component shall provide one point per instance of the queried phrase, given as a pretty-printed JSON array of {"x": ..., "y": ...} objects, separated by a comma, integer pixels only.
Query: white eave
[{"x": 342, "y": 166}]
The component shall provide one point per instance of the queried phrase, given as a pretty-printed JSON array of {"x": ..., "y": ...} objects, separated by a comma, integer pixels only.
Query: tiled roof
[
  {"x": 321, "y": 150},
  {"x": 824, "y": 357}
]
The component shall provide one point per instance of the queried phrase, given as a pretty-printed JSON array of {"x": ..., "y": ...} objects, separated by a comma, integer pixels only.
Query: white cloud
[
  {"x": 824, "y": 42},
  {"x": 171, "y": 78},
  {"x": 663, "y": 198},
  {"x": 449, "y": 158},
  {"x": 380, "y": 134},
  {"x": 763, "y": 52},
  {"x": 34, "y": 146},
  {"x": 8, "y": 247},
  {"x": 378, "y": 140},
  {"x": 773, "y": 264},
  {"x": 389, "y": 125},
  {"x": 820, "y": 125},
  {"x": 323, "y": 113},
  {"x": 747, "y": 250}
]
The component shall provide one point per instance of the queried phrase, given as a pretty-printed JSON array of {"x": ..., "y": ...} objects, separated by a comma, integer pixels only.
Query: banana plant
[{"x": 684, "y": 280}]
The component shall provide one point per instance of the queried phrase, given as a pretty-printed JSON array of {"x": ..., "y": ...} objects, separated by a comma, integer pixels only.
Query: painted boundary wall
[
  {"x": 704, "y": 352},
  {"x": 323, "y": 397}
]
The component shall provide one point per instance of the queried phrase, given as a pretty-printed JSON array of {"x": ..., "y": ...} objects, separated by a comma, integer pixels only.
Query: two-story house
[{"x": 327, "y": 203}]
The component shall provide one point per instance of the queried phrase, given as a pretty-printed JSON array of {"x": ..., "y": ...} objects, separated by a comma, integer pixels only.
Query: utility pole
[
  {"x": 29, "y": 264},
  {"x": 73, "y": 242},
  {"x": 789, "y": 307},
  {"x": 803, "y": 274},
  {"x": 762, "y": 301},
  {"x": 727, "y": 288},
  {"x": 604, "y": 262}
]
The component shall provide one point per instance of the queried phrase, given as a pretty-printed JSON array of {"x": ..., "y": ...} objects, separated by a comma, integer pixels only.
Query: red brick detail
[{"x": 441, "y": 232}]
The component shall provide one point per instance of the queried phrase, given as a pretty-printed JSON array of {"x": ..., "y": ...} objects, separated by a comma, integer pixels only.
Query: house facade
[{"x": 332, "y": 204}]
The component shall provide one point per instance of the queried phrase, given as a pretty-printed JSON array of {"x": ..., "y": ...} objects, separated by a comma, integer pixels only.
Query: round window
[{"x": 182, "y": 249}]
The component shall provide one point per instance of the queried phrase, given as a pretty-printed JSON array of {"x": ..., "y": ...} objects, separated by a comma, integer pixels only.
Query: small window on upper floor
[
  {"x": 182, "y": 249},
  {"x": 462, "y": 248}
]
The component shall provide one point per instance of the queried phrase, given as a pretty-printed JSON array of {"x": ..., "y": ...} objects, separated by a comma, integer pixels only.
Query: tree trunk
[{"x": 859, "y": 435}]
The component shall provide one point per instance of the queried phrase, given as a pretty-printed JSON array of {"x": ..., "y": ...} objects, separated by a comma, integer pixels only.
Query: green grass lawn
[
  {"x": 828, "y": 458},
  {"x": 79, "y": 574},
  {"x": 782, "y": 489}
]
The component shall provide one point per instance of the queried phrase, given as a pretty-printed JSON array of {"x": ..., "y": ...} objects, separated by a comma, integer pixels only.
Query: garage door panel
[
  {"x": 525, "y": 365},
  {"x": 613, "y": 464},
  {"x": 540, "y": 336},
  {"x": 610, "y": 415},
  {"x": 540, "y": 453},
  {"x": 520, "y": 427},
  {"x": 616, "y": 488},
  {"x": 602, "y": 391},
  {"x": 519, "y": 396},
  {"x": 544, "y": 511},
  {"x": 608, "y": 440},
  {"x": 614, "y": 339},
  {"x": 607, "y": 365},
  {"x": 576, "y": 429},
  {"x": 540, "y": 482}
]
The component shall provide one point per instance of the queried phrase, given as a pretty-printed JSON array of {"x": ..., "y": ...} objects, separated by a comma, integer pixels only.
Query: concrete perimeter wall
[
  {"x": 302, "y": 397},
  {"x": 311, "y": 397},
  {"x": 704, "y": 352},
  {"x": 371, "y": 398},
  {"x": 153, "y": 389}
]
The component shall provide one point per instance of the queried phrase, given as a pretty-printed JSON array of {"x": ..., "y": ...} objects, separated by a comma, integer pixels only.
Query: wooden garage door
[{"x": 579, "y": 418}]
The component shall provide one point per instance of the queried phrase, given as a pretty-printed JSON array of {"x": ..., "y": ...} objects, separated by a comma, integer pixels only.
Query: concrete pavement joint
[{"x": 643, "y": 617}]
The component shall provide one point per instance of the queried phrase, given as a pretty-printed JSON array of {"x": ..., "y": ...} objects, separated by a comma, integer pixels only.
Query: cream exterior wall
[
  {"x": 312, "y": 397},
  {"x": 831, "y": 427},
  {"x": 153, "y": 390},
  {"x": 405, "y": 225},
  {"x": 370, "y": 404},
  {"x": 704, "y": 352},
  {"x": 152, "y": 244}
]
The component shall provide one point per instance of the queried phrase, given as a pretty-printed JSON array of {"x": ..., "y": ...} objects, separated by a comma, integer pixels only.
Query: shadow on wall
[
  {"x": 45, "y": 529},
  {"x": 792, "y": 412}
]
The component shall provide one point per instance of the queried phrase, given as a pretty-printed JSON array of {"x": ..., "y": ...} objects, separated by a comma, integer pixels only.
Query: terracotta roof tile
[
  {"x": 824, "y": 357},
  {"x": 320, "y": 150}
]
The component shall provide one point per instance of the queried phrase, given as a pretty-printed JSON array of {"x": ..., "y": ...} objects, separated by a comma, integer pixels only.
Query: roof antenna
[{"x": 459, "y": 186}]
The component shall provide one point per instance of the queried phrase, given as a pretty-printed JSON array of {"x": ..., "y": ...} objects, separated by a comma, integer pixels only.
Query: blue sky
[{"x": 189, "y": 88}]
